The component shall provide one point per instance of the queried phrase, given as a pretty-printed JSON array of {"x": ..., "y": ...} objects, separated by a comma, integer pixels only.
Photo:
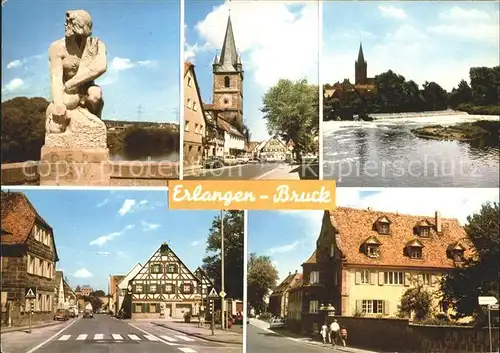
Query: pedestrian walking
[
  {"x": 324, "y": 332},
  {"x": 343, "y": 336},
  {"x": 334, "y": 332}
]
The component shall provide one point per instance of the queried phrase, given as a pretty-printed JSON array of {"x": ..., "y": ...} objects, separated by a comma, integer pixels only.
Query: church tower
[
  {"x": 360, "y": 68},
  {"x": 228, "y": 80}
]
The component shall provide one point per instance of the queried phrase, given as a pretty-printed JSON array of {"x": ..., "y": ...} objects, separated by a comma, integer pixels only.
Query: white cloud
[
  {"x": 284, "y": 248},
  {"x": 83, "y": 273},
  {"x": 459, "y": 14},
  {"x": 276, "y": 40},
  {"x": 146, "y": 226},
  {"x": 103, "y": 239},
  {"x": 103, "y": 253},
  {"x": 102, "y": 203},
  {"x": 127, "y": 207},
  {"x": 13, "y": 64},
  {"x": 14, "y": 85},
  {"x": 450, "y": 202},
  {"x": 118, "y": 64},
  {"x": 389, "y": 11}
]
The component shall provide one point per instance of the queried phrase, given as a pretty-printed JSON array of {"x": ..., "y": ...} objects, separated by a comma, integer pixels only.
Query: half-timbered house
[{"x": 164, "y": 287}]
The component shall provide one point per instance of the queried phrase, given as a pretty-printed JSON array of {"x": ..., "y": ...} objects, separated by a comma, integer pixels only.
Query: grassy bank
[
  {"x": 479, "y": 109},
  {"x": 460, "y": 132}
]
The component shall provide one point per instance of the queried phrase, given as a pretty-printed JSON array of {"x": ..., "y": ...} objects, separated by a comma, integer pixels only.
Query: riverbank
[
  {"x": 469, "y": 131},
  {"x": 479, "y": 109}
]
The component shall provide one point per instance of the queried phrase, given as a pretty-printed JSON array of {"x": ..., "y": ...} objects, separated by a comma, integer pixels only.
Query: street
[
  {"x": 272, "y": 171},
  {"x": 105, "y": 334}
]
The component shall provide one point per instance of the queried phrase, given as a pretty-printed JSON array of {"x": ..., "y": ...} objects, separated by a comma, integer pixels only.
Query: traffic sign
[
  {"x": 222, "y": 294},
  {"x": 213, "y": 293},
  {"x": 30, "y": 293},
  {"x": 494, "y": 307},
  {"x": 487, "y": 300}
]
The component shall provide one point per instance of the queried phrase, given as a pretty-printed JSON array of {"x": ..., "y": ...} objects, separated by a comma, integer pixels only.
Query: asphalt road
[
  {"x": 262, "y": 341},
  {"x": 237, "y": 172},
  {"x": 105, "y": 334}
]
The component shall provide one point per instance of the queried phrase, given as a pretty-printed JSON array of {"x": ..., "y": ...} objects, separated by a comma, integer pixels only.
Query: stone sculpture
[
  {"x": 75, "y": 149},
  {"x": 73, "y": 118}
]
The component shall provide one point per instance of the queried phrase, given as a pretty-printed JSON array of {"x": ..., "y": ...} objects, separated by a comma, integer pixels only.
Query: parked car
[
  {"x": 242, "y": 159},
  {"x": 61, "y": 314},
  {"x": 88, "y": 314},
  {"x": 276, "y": 323},
  {"x": 230, "y": 160},
  {"x": 213, "y": 163}
]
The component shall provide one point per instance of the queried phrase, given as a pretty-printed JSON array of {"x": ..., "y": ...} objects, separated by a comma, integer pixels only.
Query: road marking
[
  {"x": 51, "y": 338},
  {"x": 169, "y": 338},
  {"x": 81, "y": 337},
  {"x": 267, "y": 173},
  {"x": 186, "y": 350},
  {"x": 64, "y": 337},
  {"x": 187, "y": 339},
  {"x": 117, "y": 336},
  {"x": 98, "y": 336},
  {"x": 147, "y": 333},
  {"x": 134, "y": 338},
  {"x": 152, "y": 338}
]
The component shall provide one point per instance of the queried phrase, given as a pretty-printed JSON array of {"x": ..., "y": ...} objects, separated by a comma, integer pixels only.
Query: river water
[{"x": 385, "y": 153}]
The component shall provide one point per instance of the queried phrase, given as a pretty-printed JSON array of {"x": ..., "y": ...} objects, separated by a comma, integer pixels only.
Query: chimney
[
  {"x": 289, "y": 273},
  {"x": 295, "y": 271},
  {"x": 370, "y": 209},
  {"x": 438, "y": 222}
]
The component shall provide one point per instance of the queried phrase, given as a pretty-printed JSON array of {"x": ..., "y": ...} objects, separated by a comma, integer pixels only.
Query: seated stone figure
[{"x": 75, "y": 62}]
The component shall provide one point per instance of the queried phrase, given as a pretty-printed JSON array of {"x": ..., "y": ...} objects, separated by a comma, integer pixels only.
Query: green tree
[
  {"x": 262, "y": 277},
  {"x": 479, "y": 274},
  {"x": 98, "y": 293},
  {"x": 291, "y": 111},
  {"x": 233, "y": 253},
  {"x": 435, "y": 96},
  {"x": 417, "y": 300},
  {"x": 485, "y": 84},
  {"x": 460, "y": 95},
  {"x": 23, "y": 128}
]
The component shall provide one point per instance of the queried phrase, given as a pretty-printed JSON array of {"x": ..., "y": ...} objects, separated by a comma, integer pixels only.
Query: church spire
[
  {"x": 361, "y": 57},
  {"x": 228, "y": 56}
]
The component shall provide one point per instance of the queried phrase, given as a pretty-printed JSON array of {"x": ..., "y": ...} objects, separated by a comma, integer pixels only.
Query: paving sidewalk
[
  {"x": 263, "y": 325},
  {"x": 202, "y": 332},
  {"x": 7, "y": 329},
  {"x": 283, "y": 172}
]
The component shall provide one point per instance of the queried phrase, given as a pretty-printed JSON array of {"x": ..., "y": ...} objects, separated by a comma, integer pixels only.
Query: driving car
[
  {"x": 213, "y": 163},
  {"x": 276, "y": 323},
  {"x": 88, "y": 314},
  {"x": 61, "y": 314}
]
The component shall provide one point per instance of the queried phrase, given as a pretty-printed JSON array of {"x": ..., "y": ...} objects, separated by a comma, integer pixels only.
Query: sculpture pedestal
[{"x": 74, "y": 166}]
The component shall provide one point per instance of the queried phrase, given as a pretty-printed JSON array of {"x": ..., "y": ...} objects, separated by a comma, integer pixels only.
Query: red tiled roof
[
  {"x": 288, "y": 282},
  {"x": 187, "y": 66},
  {"x": 312, "y": 259},
  {"x": 18, "y": 218},
  {"x": 354, "y": 226}
]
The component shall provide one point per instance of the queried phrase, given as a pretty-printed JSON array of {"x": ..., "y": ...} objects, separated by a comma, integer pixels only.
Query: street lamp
[{"x": 129, "y": 292}]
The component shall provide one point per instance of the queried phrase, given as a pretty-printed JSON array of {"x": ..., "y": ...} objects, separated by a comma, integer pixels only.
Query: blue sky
[
  {"x": 99, "y": 233},
  {"x": 276, "y": 40},
  {"x": 289, "y": 237},
  {"x": 429, "y": 40},
  {"x": 142, "y": 41}
]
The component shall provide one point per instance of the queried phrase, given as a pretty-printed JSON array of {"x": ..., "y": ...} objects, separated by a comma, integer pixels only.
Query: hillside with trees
[{"x": 23, "y": 134}]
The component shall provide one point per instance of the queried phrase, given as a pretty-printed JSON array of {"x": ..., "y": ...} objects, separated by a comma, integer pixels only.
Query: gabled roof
[
  {"x": 226, "y": 126},
  {"x": 287, "y": 283},
  {"x": 353, "y": 226},
  {"x": 253, "y": 145},
  {"x": 18, "y": 219},
  {"x": 67, "y": 289},
  {"x": 271, "y": 139},
  {"x": 202, "y": 275},
  {"x": 137, "y": 267},
  {"x": 229, "y": 58},
  {"x": 59, "y": 279},
  {"x": 372, "y": 240},
  {"x": 312, "y": 259},
  {"x": 189, "y": 67}
]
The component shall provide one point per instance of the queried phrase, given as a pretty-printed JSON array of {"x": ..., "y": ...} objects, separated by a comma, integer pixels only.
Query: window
[
  {"x": 383, "y": 228},
  {"x": 171, "y": 268},
  {"x": 31, "y": 264},
  {"x": 226, "y": 101},
  {"x": 186, "y": 126},
  {"x": 458, "y": 255},
  {"x": 138, "y": 308},
  {"x": 138, "y": 288},
  {"x": 394, "y": 278},
  {"x": 372, "y": 307},
  {"x": 372, "y": 251},
  {"x": 186, "y": 288},
  {"x": 332, "y": 250},
  {"x": 424, "y": 231},
  {"x": 314, "y": 277},
  {"x": 169, "y": 288},
  {"x": 227, "y": 82},
  {"x": 152, "y": 308},
  {"x": 365, "y": 277},
  {"x": 427, "y": 279},
  {"x": 156, "y": 268},
  {"x": 189, "y": 81},
  {"x": 152, "y": 288},
  {"x": 313, "y": 306},
  {"x": 123, "y": 292},
  {"x": 188, "y": 104},
  {"x": 415, "y": 252},
  {"x": 194, "y": 106}
]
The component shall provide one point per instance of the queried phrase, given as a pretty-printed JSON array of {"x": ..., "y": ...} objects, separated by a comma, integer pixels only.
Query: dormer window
[
  {"x": 414, "y": 249},
  {"x": 456, "y": 252},
  {"x": 424, "y": 231},
  {"x": 423, "y": 228},
  {"x": 372, "y": 247},
  {"x": 382, "y": 226}
]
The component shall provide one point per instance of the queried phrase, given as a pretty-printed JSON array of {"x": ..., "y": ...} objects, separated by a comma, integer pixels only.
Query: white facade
[
  {"x": 233, "y": 142},
  {"x": 121, "y": 290},
  {"x": 61, "y": 303}
]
